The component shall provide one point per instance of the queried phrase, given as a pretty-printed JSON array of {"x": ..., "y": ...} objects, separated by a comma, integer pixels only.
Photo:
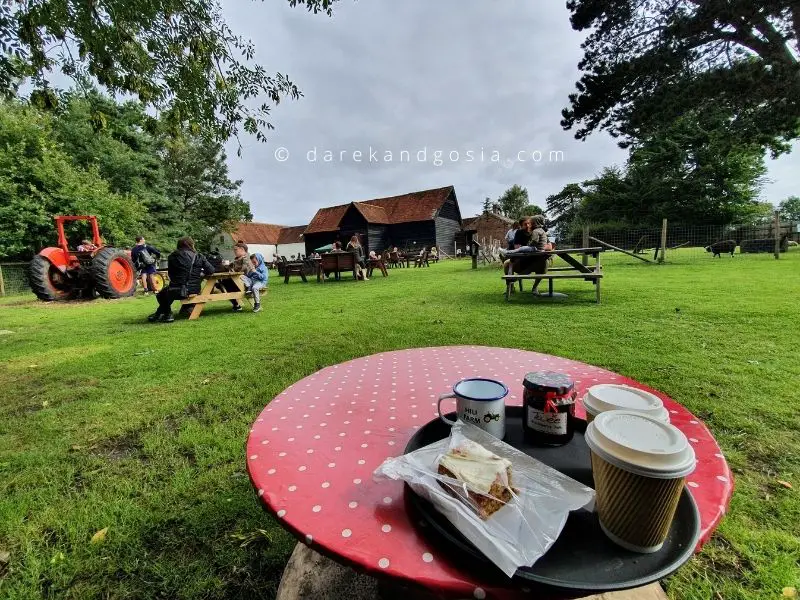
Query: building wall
[
  {"x": 412, "y": 236},
  {"x": 318, "y": 240},
  {"x": 448, "y": 225},
  {"x": 288, "y": 250},
  {"x": 267, "y": 251},
  {"x": 377, "y": 238},
  {"x": 225, "y": 244}
]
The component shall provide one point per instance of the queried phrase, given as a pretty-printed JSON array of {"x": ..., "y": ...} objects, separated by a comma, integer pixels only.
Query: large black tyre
[
  {"x": 47, "y": 282},
  {"x": 113, "y": 275}
]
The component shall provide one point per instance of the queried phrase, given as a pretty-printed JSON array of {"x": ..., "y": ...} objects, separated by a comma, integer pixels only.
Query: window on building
[{"x": 222, "y": 239}]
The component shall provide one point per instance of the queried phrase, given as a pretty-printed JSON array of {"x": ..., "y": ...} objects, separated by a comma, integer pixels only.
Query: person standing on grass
[
  {"x": 256, "y": 280},
  {"x": 144, "y": 258},
  {"x": 355, "y": 246},
  {"x": 186, "y": 268}
]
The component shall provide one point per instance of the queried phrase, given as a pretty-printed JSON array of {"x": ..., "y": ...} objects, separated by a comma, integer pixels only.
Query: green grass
[{"x": 107, "y": 421}]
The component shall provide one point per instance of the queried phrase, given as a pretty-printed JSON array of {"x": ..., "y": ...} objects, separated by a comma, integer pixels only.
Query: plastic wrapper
[{"x": 523, "y": 528}]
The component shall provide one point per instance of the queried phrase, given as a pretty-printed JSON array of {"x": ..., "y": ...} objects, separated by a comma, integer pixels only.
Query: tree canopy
[
  {"x": 790, "y": 209},
  {"x": 645, "y": 63},
  {"x": 178, "y": 56},
  {"x": 514, "y": 204},
  {"x": 93, "y": 155}
]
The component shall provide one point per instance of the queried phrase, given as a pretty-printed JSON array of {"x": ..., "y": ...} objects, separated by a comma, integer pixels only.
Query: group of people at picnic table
[
  {"x": 187, "y": 268},
  {"x": 525, "y": 241}
]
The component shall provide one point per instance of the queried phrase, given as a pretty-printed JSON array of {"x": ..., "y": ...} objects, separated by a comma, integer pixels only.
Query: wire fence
[{"x": 14, "y": 279}]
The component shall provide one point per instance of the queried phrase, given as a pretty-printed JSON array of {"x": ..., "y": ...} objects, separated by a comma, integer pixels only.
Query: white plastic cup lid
[
  {"x": 611, "y": 396},
  {"x": 641, "y": 444}
]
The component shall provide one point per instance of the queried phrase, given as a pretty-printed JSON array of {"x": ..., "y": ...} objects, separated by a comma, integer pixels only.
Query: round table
[{"x": 312, "y": 451}]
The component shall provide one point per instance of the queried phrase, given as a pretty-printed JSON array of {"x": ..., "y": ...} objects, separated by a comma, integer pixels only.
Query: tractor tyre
[
  {"x": 158, "y": 282},
  {"x": 113, "y": 275},
  {"x": 47, "y": 282}
]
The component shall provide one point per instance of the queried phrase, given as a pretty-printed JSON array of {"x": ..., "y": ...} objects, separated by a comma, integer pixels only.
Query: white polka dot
[
  {"x": 347, "y": 422},
  {"x": 342, "y": 434},
  {"x": 479, "y": 593},
  {"x": 265, "y": 442},
  {"x": 271, "y": 472},
  {"x": 338, "y": 448},
  {"x": 718, "y": 455},
  {"x": 367, "y": 432},
  {"x": 310, "y": 451},
  {"x": 316, "y": 437},
  {"x": 364, "y": 445},
  {"x": 353, "y": 505},
  {"x": 386, "y": 528},
  {"x": 317, "y": 508},
  {"x": 260, "y": 493},
  {"x": 674, "y": 412},
  {"x": 722, "y": 478},
  {"x": 292, "y": 488},
  {"x": 693, "y": 484},
  {"x": 309, "y": 538},
  {"x": 282, "y": 454},
  {"x": 331, "y": 465},
  {"x": 693, "y": 422},
  {"x": 323, "y": 424},
  {"x": 391, "y": 428},
  {"x": 391, "y": 442},
  {"x": 693, "y": 440},
  {"x": 362, "y": 462},
  {"x": 427, "y": 557},
  {"x": 299, "y": 427},
  {"x": 387, "y": 500},
  {"x": 302, "y": 468},
  {"x": 255, "y": 456},
  {"x": 356, "y": 481},
  {"x": 326, "y": 484},
  {"x": 383, "y": 563},
  {"x": 290, "y": 440},
  {"x": 281, "y": 513},
  {"x": 346, "y": 533}
]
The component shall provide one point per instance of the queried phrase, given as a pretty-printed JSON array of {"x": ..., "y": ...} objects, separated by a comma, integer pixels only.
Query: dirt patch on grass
[
  {"x": 724, "y": 559},
  {"x": 127, "y": 445}
]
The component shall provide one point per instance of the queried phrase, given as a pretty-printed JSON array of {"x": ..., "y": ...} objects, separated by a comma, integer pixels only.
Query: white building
[
  {"x": 259, "y": 237},
  {"x": 290, "y": 242}
]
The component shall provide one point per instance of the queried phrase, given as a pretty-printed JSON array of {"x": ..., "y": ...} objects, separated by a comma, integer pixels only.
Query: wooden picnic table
[
  {"x": 592, "y": 273},
  {"x": 376, "y": 263},
  {"x": 216, "y": 288},
  {"x": 294, "y": 268}
]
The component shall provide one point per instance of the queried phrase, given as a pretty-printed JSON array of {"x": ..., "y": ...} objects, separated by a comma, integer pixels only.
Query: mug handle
[{"x": 439, "y": 407}]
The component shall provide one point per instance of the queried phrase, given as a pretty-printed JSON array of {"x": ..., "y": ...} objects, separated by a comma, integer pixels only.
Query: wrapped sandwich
[{"x": 481, "y": 477}]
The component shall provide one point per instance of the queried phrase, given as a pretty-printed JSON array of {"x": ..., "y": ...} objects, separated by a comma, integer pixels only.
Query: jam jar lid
[{"x": 548, "y": 381}]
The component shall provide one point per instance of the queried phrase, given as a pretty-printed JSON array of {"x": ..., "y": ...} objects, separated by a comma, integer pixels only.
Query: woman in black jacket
[{"x": 186, "y": 268}]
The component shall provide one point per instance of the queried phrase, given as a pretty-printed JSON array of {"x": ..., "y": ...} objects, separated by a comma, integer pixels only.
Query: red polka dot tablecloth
[{"x": 312, "y": 451}]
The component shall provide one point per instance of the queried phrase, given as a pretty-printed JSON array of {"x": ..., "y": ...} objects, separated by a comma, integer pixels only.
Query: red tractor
[{"x": 61, "y": 274}]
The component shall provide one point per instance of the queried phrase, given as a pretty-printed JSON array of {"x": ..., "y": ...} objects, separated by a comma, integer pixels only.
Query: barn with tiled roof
[{"x": 410, "y": 221}]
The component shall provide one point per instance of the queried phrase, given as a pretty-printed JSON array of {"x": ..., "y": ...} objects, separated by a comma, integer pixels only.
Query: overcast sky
[{"x": 416, "y": 76}]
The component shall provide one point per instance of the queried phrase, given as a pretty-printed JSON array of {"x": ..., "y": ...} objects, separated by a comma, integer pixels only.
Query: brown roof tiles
[
  {"x": 257, "y": 233},
  {"x": 292, "y": 235}
]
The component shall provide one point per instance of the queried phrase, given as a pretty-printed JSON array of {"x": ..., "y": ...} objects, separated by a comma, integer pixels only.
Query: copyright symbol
[{"x": 281, "y": 154}]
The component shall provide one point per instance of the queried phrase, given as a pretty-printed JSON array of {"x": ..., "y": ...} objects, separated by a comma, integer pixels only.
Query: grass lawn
[{"x": 108, "y": 421}]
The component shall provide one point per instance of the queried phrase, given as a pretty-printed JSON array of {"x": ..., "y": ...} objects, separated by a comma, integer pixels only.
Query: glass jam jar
[{"x": 549, "y": 408}]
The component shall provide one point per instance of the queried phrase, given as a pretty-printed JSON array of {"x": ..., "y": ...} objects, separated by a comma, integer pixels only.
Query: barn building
[
  {"x": 290, "y": 242},
  {"x": 411, "y": 221},
  {"x": 259, "y": 237}
]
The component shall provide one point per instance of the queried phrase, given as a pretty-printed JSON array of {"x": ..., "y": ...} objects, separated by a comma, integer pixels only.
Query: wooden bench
[
  {"x": 196, "y": 303},
  {"x": 337, "y": 263}
]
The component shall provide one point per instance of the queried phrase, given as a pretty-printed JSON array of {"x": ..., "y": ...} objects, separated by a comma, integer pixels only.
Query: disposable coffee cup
[
  {"x": 640, "y": 465},
  {"x": 611, "y": 396}
]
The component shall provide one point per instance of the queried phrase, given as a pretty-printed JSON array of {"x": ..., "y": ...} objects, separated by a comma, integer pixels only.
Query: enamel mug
[{"x": 480, "y": 402}]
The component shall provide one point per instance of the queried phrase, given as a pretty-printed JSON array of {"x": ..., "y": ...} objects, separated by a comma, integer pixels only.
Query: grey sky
[{"x": 449, "y": 75}]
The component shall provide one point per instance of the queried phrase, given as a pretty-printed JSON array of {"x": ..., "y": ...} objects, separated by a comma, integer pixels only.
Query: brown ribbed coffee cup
[{"x": 635, "y": 511}]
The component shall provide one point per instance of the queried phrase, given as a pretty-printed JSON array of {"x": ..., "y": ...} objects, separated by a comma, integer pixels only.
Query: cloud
[{"x": 446, "y": 75}]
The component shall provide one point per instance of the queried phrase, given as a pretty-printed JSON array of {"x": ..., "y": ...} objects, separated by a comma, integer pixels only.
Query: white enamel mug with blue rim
[{"x": 480, "y": 402}]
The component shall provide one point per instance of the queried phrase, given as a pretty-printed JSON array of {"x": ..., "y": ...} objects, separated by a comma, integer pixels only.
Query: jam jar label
[{"x": 552, "y": 423}]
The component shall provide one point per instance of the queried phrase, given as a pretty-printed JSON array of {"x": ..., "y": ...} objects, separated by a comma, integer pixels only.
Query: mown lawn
[{"x": 108, "y": 421}]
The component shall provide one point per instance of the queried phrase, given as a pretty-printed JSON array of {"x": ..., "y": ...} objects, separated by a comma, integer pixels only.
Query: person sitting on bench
[
  {"x": 186, "y": 268},
  {"x": 256, "y": 280},
  {"x": 531, "y": 238}
]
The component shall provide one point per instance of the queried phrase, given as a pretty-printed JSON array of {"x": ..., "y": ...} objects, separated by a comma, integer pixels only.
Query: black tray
[{"x": 583, "y": 559}]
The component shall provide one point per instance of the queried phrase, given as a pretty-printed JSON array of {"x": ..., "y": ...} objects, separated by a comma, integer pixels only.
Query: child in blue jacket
[{"x": 256, "y": 280}]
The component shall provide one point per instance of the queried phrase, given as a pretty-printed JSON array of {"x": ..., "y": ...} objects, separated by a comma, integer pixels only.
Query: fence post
[
  {"x": 777, "y": 234},
  {"x": 663, "y": 241},
  {"x": 585, "y": 244},
  {"x": 2, "y": 283}
]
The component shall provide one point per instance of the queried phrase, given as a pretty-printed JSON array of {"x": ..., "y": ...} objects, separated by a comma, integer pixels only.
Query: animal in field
[
  {"x": 764, "y": 245},
  {"x": 722, "y": 247}
]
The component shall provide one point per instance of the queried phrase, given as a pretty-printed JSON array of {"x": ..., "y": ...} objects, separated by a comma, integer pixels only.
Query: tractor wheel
[
  {"x": 47, "y": 282},
  {"x": 158, "y": 282},
  {"x": 113, "y": 274}
]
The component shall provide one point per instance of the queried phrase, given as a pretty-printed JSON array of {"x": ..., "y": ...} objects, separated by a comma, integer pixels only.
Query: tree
[
  {"x": 197, "y": 179},
  {"x": 530, "y": 210},
  {"x": 513, "y": 202},
  {"x": 645, "y": 63},
  {"x": 790, "y": 209},
  {"x": 176, "y": 56},
  {"x": 487, "y": 206},
  {"x": 564, "y": 206},
  {"x": 38, "y": 180}
]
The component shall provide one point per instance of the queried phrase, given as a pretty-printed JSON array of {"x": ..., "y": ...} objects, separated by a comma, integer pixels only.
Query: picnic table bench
[
  {"x": 336, "y": 263},
  {"x": 592, "y": 273},
  {"x": 217, "y": 287}
]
